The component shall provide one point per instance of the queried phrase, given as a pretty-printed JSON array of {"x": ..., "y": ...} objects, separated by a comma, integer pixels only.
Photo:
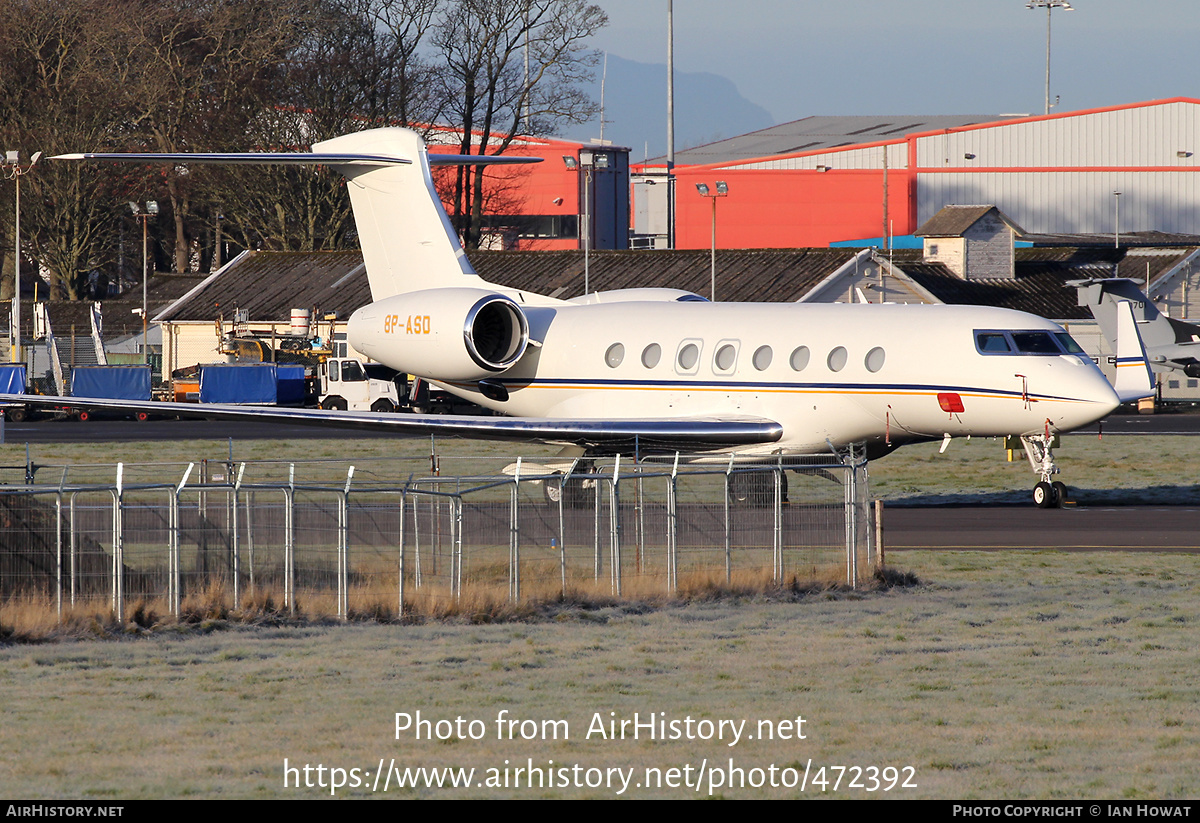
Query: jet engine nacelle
[{"x": 443, "y": 334}]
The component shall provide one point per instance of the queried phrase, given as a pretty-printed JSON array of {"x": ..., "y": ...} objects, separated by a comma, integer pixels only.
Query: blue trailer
[
  {"x": 112, "y": 383},
  {"x": 267, "y": 384},
  {"x": 12, "y": 381}
]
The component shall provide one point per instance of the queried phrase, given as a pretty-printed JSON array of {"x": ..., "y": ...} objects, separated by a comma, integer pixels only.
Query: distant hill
[{"x": 708, "y": 107}]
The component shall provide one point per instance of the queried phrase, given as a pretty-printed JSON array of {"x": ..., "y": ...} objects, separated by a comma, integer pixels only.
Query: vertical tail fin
[
  {"x": 1134, "y": 378},
  {"x": 1103, "y": 297},
  {"x": 407, "y": 241}
]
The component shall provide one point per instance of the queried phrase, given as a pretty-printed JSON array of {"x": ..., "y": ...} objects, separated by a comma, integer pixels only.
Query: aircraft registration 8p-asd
[{"x": 643, "y": 370}]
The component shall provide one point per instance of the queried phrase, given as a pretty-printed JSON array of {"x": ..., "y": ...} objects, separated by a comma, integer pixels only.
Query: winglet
[{"x": 1134, "y": 378}]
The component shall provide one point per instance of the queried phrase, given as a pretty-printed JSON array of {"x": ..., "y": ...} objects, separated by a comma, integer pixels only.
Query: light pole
[
  {"x": 1116, "y": 219},
  {"x": 138, "y": 214},
  {"x": 1049, "y": 6},
  {"x": 14, "y": 172},
  {"x": 587, "y": 162},
  {"x": 722, "y": 191}
]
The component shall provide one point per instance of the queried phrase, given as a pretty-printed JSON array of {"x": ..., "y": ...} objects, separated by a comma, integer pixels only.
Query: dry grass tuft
[
  {"x": 889, "y": 578},
  {"x": 32, "y": 618},
  {"x": 213, "y": 602}
]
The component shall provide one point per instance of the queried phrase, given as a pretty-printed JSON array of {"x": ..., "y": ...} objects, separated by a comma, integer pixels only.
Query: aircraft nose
[{"x": 1094, "y": 399}]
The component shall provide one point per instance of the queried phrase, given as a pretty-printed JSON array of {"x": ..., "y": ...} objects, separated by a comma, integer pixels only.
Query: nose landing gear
[{"x": 1039, "y": 448}]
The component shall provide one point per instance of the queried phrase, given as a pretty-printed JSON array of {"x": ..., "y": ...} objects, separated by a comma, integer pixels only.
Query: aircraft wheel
[
  {"x": 1043, "y": 495},
  {"x": 552, "y": 489},
  {"x": 383, "y": 406},
  {"x": 1061, "y": 492},
  {"x": 576, "y": 493},
  {"x": 755, "y": 488}
]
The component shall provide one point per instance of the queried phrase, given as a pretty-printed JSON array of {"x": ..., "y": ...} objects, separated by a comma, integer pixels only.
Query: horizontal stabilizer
[
  {"x": 1134, "y": 379},
  {"x": 296, "y": 158},
  {"x": 685, "y": 433},
  {"x": 408, "y": 242}
]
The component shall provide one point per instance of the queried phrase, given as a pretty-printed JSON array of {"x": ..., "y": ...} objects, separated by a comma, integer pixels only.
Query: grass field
[{"x": 1003, "y": 675}]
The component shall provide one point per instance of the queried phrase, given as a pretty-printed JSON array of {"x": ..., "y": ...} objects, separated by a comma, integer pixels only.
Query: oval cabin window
[
  {"x": 725, "y": 358},
  {"x": 762, "y": 358},
  {"x": 651, "y": 355},
  {"x": 614, "y": 355},
  {"x": 874, "y": 359},
  {"x": 837, "y": 359},
  {"x": 689, "y": 355},
  {"x": 799, "y": 359}
]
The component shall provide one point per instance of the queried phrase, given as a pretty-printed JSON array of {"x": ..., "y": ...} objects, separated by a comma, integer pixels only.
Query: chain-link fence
[{"x": 313, "y": 536}]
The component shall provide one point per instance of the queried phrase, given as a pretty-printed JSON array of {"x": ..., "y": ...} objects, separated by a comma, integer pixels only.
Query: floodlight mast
[
  {"x": 722, "y": 191},
  {"x": 138, "y": 214},
  {"x": 1049, "y": 6},
  {"x": 14, "y": 172}
]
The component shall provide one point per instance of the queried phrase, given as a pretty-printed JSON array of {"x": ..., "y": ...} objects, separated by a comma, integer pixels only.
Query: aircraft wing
[{"x": 682, "y": 433}]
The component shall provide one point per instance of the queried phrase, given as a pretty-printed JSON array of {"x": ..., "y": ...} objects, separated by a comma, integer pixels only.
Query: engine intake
[
  {"x": 443, "y": 334},
  {"x": 496, "y": 332}
]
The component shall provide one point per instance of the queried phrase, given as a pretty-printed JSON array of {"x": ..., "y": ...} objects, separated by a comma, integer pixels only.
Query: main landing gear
[{"x": 1039, "y": 448}]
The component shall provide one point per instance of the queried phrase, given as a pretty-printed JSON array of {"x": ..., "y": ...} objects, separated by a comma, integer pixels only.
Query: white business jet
[{"x": 635, "y": 371}]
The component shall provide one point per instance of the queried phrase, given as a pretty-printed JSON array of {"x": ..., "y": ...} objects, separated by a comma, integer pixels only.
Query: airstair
[{"x": 76, "y": 350}]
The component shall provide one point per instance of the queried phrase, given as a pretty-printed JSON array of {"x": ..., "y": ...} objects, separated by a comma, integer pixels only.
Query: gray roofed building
[
  {"x": 956, "y": 221},
  {"x": 269, "y": 284},
  {"x": 975, "y": 242},
  {"x": 821, "y": 132}
]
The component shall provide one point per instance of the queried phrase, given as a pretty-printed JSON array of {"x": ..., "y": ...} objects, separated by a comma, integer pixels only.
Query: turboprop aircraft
[{"x": 635, "y": 371}]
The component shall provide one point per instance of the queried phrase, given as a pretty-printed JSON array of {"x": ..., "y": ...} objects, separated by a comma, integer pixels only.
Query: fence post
[
  {"x": 344, "y": 547},
  {"x": 614, "y": 527},
  {"x": 728, "y": 525},
  {"x": 58, "y": 564},
  {"x": 514, "y": 549},
  {"x": 562, "y": 523},
  {"x": 673, "y": 525},
  {"x": 71, "y": 508},
  {"x": 289, "y": 545},
  {"x": 456, "y": 543},
  {"x": 118, "y": 598},
  {"x": 234, "y": 546},
  {"x": 416, "y": 520},
  {"x": 596, "y": 521},
  {"x": 173, "y": 564},
  {"x": 777, "y": 540},
  {"x": 250, "y": 506},
  {"x": 400, "y": 584},
  {"x": 851, "y": 536}
]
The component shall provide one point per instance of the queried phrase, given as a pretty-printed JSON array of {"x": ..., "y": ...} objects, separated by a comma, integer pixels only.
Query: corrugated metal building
[{"x": 822, "y": 180}]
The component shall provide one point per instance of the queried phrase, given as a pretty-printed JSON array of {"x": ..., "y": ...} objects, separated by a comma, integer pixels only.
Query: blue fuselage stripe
[{"x": 517, "y": 384}]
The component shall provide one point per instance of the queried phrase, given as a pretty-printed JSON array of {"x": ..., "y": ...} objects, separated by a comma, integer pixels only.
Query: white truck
[{"x": 349, "y": 383}]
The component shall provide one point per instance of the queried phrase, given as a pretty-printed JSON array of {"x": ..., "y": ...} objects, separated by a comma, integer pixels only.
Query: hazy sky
[{"x": 803, "y": 57}]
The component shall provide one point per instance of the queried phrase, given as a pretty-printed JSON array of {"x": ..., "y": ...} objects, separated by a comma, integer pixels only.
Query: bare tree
[
  {"x": 192, "y": 74},
  {"x": 359, "y": 67},
  {"x": 55, "y": 96},
  {"x": 213, "y": 75},
  {"x": 486, "y": 46}
]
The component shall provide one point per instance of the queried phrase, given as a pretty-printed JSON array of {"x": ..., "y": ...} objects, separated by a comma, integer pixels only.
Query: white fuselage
[{"x": 828, "y": 373}]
